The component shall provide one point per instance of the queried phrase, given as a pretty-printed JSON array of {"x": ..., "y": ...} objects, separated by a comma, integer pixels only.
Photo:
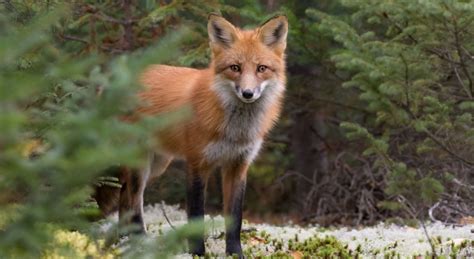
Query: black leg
[
  {"x": 234, "y": 221},
  {"x": 234, "y": 181},
  {"x": 195, "y": 202},
  {"x": 131, "y": 202}
]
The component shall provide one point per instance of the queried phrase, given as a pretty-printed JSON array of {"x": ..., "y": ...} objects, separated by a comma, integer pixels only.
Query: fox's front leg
[
  {"x": 234, "y": 181},
  {"x": 196, "y": 180}
]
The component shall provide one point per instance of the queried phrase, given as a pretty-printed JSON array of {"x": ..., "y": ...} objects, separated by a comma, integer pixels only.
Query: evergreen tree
[
  {"x": 411, "y": 63},
  {"x": 61, "y": 127}
]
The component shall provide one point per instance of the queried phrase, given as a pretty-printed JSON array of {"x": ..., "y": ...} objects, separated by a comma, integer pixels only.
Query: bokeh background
[{"x": 377, "y": 122}]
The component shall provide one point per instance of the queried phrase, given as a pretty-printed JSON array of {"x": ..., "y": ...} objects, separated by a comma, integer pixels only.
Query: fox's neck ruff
[
  {"x": 242, "y": 121},
  {"x": 240, "y": 130}
]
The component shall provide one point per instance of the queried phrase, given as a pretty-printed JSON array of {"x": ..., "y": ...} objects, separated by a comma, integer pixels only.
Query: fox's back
[{"x": 167, "y": 88}]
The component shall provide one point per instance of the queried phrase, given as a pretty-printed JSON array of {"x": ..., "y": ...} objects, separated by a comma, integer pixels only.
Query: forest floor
[{"x": 372, "y": 242}]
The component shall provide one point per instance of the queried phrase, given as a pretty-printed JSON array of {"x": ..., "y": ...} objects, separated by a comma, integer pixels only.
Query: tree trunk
[{"x": 310, "y": 155}]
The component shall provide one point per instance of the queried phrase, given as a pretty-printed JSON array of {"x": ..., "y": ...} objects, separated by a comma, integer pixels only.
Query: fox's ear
[
  {"x": 220, "y": 31},
  {"x": 273, "y": 32}
]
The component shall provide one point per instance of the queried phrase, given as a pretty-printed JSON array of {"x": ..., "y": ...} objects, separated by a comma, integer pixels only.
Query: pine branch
[
  {"x": 445, "y": 148},
  {"x": 128, "y": 27},
  {"x": 457, "y": 43},
  {"x": 73, "y": 38}
]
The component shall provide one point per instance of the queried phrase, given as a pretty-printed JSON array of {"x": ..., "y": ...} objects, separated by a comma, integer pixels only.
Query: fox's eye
[
  {"x": 235, "y": 68},
  {"x": 261, "y": 68}
]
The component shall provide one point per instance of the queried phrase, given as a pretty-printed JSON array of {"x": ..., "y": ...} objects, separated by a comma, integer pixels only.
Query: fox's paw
[{"x": 234, "y": 250}]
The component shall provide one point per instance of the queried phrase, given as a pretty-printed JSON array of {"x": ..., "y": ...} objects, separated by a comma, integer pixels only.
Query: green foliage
[
  {"x": 312, "y": 247},
  {"x": 113, "y": 28},
  {"x": 392, "y": 80},
  {"x": 328, "y": 247},
  {"x": 410, "y": 62},
  {"x": 67, "y": 110}
]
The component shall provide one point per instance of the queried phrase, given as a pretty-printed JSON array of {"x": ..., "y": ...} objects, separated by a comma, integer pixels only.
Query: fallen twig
[
  {"x": 430, "y": 212},
  {"x": 164, "y": 214}
]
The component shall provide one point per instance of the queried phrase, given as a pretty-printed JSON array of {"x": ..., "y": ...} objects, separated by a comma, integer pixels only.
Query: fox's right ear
[{"x": 220, "y": 31}]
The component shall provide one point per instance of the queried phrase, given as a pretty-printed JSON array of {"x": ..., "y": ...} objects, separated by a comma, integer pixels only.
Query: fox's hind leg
[
  {"x": 131, "y": 201},
  {"x": 159, "y": 164},
  {"x": 133, "y": 186}
]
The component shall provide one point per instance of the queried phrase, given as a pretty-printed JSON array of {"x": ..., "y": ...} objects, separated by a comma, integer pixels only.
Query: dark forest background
[{"x": 377, "y": 123}]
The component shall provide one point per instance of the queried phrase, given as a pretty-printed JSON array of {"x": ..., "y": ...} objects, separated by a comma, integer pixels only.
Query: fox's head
[{"x": 248, "y": 64}]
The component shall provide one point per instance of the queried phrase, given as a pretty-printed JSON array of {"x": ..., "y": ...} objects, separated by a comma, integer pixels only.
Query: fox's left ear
[{"x": 273, "y": 33}]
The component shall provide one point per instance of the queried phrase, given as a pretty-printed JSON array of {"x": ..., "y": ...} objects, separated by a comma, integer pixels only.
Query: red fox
[{"x": 234, "y": 104}]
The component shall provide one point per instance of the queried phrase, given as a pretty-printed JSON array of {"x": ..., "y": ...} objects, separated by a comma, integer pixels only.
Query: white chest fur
[
  {"x": 224, "y": 151},
  {"x": 240, "y": 137},
  {"x": 240, "y": 131}
]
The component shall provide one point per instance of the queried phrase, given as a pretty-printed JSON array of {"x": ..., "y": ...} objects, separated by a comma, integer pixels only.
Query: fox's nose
[{"x": 247, "y": 94}]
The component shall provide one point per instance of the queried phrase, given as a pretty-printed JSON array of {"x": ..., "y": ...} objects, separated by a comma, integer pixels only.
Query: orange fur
[
  {"x": 234, "y": 103},
  {"x": 169, "y": 88}
]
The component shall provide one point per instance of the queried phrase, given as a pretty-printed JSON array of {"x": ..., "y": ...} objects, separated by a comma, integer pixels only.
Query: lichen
[{"x": 73, "y": 244}]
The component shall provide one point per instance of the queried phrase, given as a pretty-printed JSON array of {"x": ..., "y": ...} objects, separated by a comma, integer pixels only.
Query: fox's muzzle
[{"x": 248, "y": 95}]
